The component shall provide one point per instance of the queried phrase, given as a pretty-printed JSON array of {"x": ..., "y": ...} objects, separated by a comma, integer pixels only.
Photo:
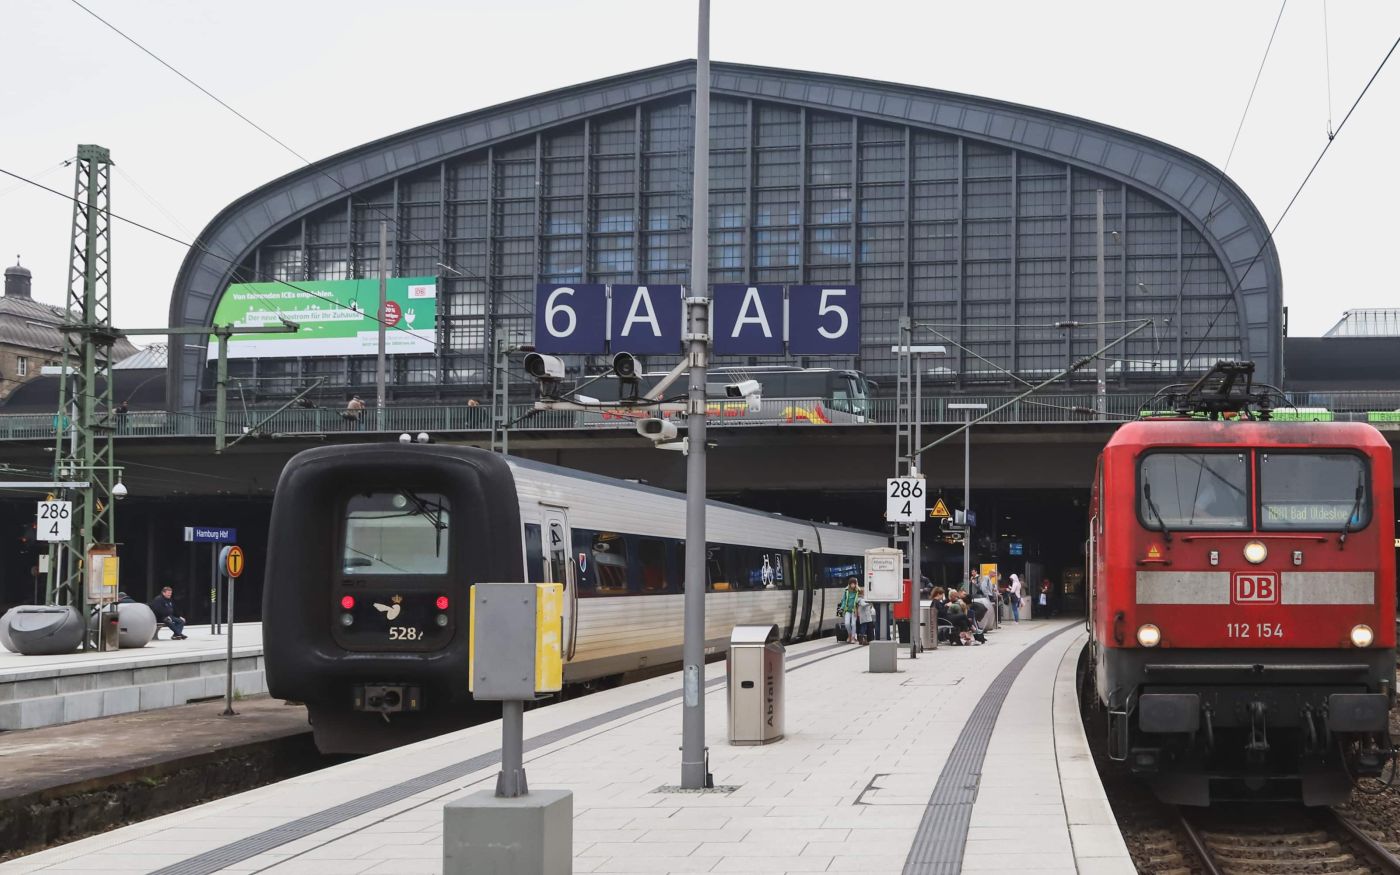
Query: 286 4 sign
[
  {"x": 54, "y": 521},
  {"x": 905, "y": 499}
]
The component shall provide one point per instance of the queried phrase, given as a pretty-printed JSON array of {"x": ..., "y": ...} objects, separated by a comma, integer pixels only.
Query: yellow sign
[
  {"x": 233, "y": 561},
  {"x": 1154, "y": 552},
  {"x": 940, "y": 510}
]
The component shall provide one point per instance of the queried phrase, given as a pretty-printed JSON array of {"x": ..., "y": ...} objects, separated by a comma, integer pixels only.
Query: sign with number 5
[{"x": 824, "y": 320}]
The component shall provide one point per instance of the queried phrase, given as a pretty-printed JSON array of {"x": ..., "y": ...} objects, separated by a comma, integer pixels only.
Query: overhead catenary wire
[
  {"x": 399, "y": 228},
  {"x": 1227, "y": 299},
  {"x": 212, "y": 254},
  {"x": 1327, "y": 62}
]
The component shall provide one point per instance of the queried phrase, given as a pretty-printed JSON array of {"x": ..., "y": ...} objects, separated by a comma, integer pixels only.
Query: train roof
[
  {"x": 1178, "y": 432},
  {"x": 559, "y": 470}
]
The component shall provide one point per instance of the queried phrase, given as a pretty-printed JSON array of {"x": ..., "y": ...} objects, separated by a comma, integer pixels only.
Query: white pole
[{"x": 1100, "y": 368}]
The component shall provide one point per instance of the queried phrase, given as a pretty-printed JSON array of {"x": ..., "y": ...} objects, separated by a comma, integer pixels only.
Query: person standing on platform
[
  {"x": 867, "y": 618},
  {"x": 1047, "y": 593},
  {"x": 163, "y": 606},
  {"x": 1015, "y": 591},
  {"x": 849, "y": 610}
]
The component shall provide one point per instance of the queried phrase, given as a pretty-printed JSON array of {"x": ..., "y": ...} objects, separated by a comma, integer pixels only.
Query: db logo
[{"x": 1254, "y": 587}]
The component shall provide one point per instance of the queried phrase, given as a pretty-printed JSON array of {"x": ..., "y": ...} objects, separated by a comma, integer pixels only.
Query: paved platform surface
[
  {"x": 924, "y": 770},
  {"x": 40, "y": 691},
  {"x": 35, "y": 760}
]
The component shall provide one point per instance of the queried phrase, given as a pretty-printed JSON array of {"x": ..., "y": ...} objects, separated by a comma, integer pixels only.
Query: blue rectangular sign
[
  {"x": 571, "y": 318},
  {"x": 1016, "y": 548},
  {"x": 214, "y": 535},
  {"x": 646, "y": 319},
  {"x": 824, "y": 320},
  {"x": 748, "y": 320}
]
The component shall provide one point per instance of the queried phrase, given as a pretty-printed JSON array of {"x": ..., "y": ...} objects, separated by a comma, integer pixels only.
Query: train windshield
[
  {"x": 1313, "y": 491},
  {"x": 1185, "y": 490},
  {"x": 399, "y": 532}
]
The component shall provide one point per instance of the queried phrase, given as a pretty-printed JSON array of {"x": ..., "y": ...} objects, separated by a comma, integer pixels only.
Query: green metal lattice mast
[{"x": 86, "y": 418}]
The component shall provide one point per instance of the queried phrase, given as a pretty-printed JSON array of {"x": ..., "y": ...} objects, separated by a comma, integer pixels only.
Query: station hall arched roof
[{"x": 1217, "y": 208}]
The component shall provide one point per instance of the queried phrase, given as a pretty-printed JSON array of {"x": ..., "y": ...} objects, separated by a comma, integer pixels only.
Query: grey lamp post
[{"x": 969, "y": 411}]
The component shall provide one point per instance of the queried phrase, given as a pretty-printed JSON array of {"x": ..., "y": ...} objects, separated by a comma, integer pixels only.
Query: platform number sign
[
  {"x": 904, "y": 499},
  {"x": 55, "y": 521}
]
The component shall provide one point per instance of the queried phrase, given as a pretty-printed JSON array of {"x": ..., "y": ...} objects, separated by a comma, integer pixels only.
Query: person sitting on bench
[{"x": 164, "y": 607}]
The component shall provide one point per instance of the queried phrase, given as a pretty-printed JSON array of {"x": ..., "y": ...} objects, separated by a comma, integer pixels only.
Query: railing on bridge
[{"x": 1375, "y": 407}]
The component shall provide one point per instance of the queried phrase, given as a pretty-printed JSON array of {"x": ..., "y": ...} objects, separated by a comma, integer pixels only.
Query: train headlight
[
  {"x": 1255, "y": 552},
  {"x": 347, "y": 619},
  {"x": 1362, "y": 636},
  {"x": 441, "y": 619},
  {"x": 1149, "y": 635}
]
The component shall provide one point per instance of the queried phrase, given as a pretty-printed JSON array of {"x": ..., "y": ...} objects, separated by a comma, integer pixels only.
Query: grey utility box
[
  {"x": 928, "y": 626},
  {"x": 755, "y": 675}
]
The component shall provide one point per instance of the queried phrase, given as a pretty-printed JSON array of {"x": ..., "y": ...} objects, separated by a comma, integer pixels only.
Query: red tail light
[
  {"x": 347, "y": 602},
  {"x": 442, "y": 603}
]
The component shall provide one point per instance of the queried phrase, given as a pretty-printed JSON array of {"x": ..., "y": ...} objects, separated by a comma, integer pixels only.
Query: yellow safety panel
[
  {"x": 110, "y": 577},
  {"x": 549, "y": 637}
]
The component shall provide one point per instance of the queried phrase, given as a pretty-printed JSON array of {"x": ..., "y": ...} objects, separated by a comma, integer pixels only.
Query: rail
[{"x": 1374, "y": 407}]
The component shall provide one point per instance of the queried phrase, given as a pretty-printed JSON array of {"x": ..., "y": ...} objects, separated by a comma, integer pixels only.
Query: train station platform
[
  {"x": 40, "y": 691},
  {"x": 966, "y": 759}
]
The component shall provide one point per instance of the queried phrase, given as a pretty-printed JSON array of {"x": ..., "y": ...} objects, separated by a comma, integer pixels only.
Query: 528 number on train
[
  {"x": 1253, "y": 630},
  {"x": 404, "y": 633}
]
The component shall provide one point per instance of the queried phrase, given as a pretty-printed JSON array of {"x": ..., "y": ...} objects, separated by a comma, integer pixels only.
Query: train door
[
  {"x": 559, "y": 568},
  {"x": 802, "y": 590}
]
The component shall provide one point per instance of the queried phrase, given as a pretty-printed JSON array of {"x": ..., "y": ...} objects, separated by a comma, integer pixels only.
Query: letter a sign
[
  {"x": 646, "y": 319},
  {"x": 748, "y": 319}
]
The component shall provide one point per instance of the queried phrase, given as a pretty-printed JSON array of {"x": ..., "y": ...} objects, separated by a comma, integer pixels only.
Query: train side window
[
  {"x": 716, "y": 570},
  {"x": 534, "y": 554},
  {"x": 1313, "y": 491},
  {"x": 608, "y": 556},
  {"x": 398, "y": 532},
  {"x": 651, "y": 558},
  {"x": 1201, "y": 491}
]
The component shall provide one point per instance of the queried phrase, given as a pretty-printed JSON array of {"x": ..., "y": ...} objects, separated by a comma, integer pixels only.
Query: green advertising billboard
[{"x": 336, "y": 317}]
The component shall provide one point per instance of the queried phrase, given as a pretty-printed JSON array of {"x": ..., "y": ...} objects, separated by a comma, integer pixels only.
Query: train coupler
[
  {"x": 1258, "y": 745},
  {"x": 387, "y": 698}
]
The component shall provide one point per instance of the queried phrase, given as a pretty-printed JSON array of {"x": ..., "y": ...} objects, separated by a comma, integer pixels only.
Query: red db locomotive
[{"x": 1242, "y": 597}]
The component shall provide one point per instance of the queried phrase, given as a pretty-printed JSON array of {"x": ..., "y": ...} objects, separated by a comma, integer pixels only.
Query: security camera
[
  {"x": 743, "y": 389},
  {"x": 545, "y": 368},
  {"x": 625, "y": 367},
  {"x": 119, "y": 491},
  {"x": 656, "y": 430}
]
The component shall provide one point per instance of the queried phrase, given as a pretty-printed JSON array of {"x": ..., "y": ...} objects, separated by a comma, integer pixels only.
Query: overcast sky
[{"x": 327, "y": 75}]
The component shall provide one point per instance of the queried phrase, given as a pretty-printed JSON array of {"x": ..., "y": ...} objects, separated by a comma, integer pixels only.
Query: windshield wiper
[
  {"x": 1147, "y": 494},
  {"x": 1351, "y": 514}
]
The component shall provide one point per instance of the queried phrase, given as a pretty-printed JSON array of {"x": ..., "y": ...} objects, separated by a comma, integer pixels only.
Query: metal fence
[{"x": 1376, "y": 407}]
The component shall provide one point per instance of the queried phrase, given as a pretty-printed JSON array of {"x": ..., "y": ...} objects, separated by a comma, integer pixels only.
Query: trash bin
[
  {"x": 928, "y": 626},
  {"x": 755, "y": 677}
]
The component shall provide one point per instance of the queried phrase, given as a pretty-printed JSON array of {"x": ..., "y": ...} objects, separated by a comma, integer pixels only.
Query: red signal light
[
  {"x": 442, "y": 603},
  {"x": 347, "y": 602}
]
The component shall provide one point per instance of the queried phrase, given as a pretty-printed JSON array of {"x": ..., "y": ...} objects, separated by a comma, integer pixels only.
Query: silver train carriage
[{"x": 373, "y": 549}]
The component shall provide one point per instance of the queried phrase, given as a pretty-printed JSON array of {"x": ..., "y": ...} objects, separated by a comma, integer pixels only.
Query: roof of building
[
  {"x": 1367, "y": 322},
  {"x": 1204, "y": 196},
  {"x": 30, "y": 323},
  {"x": 148, "y": 358}
]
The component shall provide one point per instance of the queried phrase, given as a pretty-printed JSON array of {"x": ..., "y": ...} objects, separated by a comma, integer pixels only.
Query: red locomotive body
[{"x": 1242, "y": 605}]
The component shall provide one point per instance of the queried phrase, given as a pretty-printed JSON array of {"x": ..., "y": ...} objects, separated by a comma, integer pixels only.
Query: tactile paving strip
[{"x": 942, "y": 836}]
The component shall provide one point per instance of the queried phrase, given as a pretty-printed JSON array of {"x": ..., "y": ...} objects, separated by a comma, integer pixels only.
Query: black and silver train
[{"x": 374, "y": 547}]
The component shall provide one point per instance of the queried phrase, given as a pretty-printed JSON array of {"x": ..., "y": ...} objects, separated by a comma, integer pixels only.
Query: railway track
[{"x": 1315, "y": 842}]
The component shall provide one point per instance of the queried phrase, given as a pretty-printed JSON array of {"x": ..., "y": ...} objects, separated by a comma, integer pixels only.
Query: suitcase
[{"x": 841, "y": 634}]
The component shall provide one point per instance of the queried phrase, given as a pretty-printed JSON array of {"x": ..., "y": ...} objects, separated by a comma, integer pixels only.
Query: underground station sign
[
  {"x": 231, "y": 559},
  {"x": 593, "y": 318}
]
